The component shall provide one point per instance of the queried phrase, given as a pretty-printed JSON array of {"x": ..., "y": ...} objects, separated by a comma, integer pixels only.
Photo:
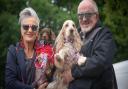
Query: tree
[
  {"x": 116, "y": 13},
  {"x": 8, "y": 30},
  {"x": 8, "y": 35}
]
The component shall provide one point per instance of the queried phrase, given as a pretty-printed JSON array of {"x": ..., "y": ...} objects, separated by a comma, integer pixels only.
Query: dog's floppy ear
[
  {"x": 77, "y": 43},
  {"x": 59, "y": 42},
  {"x": 52, "y": 35}
]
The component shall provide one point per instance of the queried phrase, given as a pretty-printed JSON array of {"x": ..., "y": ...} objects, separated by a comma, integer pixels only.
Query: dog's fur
[
  {"x": 67, "y": 47},
  {"x": 68, "y": 41}
]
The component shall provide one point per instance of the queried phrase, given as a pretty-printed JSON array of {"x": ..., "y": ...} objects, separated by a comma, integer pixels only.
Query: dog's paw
[
  {"x": 58, "y": 62},
  {"x": 81, "y": 60}
]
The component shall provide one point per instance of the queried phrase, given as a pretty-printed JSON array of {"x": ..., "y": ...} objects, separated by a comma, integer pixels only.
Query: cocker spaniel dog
[{"x": 67, "y": 46}]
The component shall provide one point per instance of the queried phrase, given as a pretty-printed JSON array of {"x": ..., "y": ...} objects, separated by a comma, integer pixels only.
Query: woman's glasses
[{"x": 33, "y": 27}]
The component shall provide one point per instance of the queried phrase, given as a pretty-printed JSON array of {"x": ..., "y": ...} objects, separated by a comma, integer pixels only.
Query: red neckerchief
[{"x": 45, "y": 55}]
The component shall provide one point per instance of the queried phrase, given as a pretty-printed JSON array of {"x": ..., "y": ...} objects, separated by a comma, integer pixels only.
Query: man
[{"x": 98, "y": 51}]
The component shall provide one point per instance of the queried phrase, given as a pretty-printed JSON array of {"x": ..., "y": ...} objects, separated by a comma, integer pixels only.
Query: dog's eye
[
  {"x": 66, "y": 25},
  {"x": 73, "y": 25}
]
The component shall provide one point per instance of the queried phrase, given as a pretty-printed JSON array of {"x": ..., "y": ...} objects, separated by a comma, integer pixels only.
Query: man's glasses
[
  {"x": 33, "y": 27},
  {"x": 85, "y": 15}
]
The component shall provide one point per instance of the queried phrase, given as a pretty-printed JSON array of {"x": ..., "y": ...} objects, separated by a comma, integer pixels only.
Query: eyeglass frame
[
  {"x": 33, "y": 27},
  {"x": 86, "y": 15}
]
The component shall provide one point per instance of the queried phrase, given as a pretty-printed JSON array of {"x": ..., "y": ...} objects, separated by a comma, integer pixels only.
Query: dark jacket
[
  {"x": 15, "y": 73},
  {"x": 97, "y": 72}
]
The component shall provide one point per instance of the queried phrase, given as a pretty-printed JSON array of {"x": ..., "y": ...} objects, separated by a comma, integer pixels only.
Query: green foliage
[
  {"x": 9, "y": 10},
  {"x": 9, "y": 30},
  {"x": 8, "y": 35},
  {"x": 12, "y": 6},
  {"x": 116, "y": 13},
  {"x": 52, "y": 15}
]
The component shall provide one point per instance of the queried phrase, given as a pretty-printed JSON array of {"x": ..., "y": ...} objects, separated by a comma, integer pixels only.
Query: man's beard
[{"x": 86, "y": 29}]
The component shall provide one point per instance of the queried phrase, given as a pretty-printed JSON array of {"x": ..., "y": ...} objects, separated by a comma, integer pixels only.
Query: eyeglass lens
[
  {"x": 33, "y": 27},
  {"x": 86, "y": 15}
]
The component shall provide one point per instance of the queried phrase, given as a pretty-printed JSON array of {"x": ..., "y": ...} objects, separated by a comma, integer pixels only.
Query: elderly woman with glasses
[
  {"x": 98, "y": 51},
  {"x": 20, "y": 67}
]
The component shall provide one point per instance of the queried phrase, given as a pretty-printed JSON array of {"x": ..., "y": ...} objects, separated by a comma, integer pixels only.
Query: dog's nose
[{"x": 71, "y": 30}]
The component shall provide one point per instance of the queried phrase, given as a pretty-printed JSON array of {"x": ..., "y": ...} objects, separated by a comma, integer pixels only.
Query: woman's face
[{"x": 29, "y": 29}]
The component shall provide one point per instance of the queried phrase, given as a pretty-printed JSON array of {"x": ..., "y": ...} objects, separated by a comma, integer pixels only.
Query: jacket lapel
[{"x": 21, "y": 62}]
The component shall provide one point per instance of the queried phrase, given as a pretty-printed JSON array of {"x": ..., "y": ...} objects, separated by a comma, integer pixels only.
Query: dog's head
[
  {"x": 69, "y": 30},
  {"x": 47, "y": 34}
]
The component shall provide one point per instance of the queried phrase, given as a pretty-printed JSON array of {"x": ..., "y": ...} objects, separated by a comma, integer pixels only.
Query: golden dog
[{"x": 67, "y": 47}]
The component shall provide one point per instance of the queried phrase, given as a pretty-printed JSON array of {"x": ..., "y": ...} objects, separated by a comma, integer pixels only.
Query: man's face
[{"x": 87, "y": 17}]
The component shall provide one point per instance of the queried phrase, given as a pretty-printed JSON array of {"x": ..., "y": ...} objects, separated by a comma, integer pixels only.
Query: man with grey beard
[{"x": 98, "y": 51}]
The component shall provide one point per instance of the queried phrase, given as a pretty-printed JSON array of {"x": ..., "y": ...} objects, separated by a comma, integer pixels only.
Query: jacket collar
[
  {"x": 21, "y": 61},
  {"x": 87, "y": 37}
]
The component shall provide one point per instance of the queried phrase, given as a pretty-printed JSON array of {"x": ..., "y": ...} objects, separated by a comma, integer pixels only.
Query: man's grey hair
[
  {"x": 95, "y": 7},
  {"x": 28, "y": 12}
]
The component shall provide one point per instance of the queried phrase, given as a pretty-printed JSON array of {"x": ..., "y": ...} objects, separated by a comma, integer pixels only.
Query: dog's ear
[
  {"x": 59, "y": 42},
  {"x": 53, "y": 36},
  {"x": 77, "y": 43}
]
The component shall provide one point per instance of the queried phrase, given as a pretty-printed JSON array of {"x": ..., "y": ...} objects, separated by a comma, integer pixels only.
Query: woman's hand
[{"x": 43, "y": 86}]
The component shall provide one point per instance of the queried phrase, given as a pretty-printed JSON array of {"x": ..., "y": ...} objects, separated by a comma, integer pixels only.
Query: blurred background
[{"x": 53, "y": 13}]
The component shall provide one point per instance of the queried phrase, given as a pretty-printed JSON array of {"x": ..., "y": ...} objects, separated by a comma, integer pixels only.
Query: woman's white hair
[{"x": 28, "y": 12}]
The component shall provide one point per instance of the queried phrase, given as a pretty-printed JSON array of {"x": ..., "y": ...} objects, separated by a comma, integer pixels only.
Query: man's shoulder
[
  {"x": 104, "y": 31},
  {"x": 104, "y": 34}
]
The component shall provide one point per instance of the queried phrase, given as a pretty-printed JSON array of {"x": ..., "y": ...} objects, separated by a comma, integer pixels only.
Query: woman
[{"x": 20, "y": 69}]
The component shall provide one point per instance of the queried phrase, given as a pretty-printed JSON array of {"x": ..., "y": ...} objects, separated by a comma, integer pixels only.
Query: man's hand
[
  {"x": 81, "y": 60},
  {"x": 67, "y": 76}
]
